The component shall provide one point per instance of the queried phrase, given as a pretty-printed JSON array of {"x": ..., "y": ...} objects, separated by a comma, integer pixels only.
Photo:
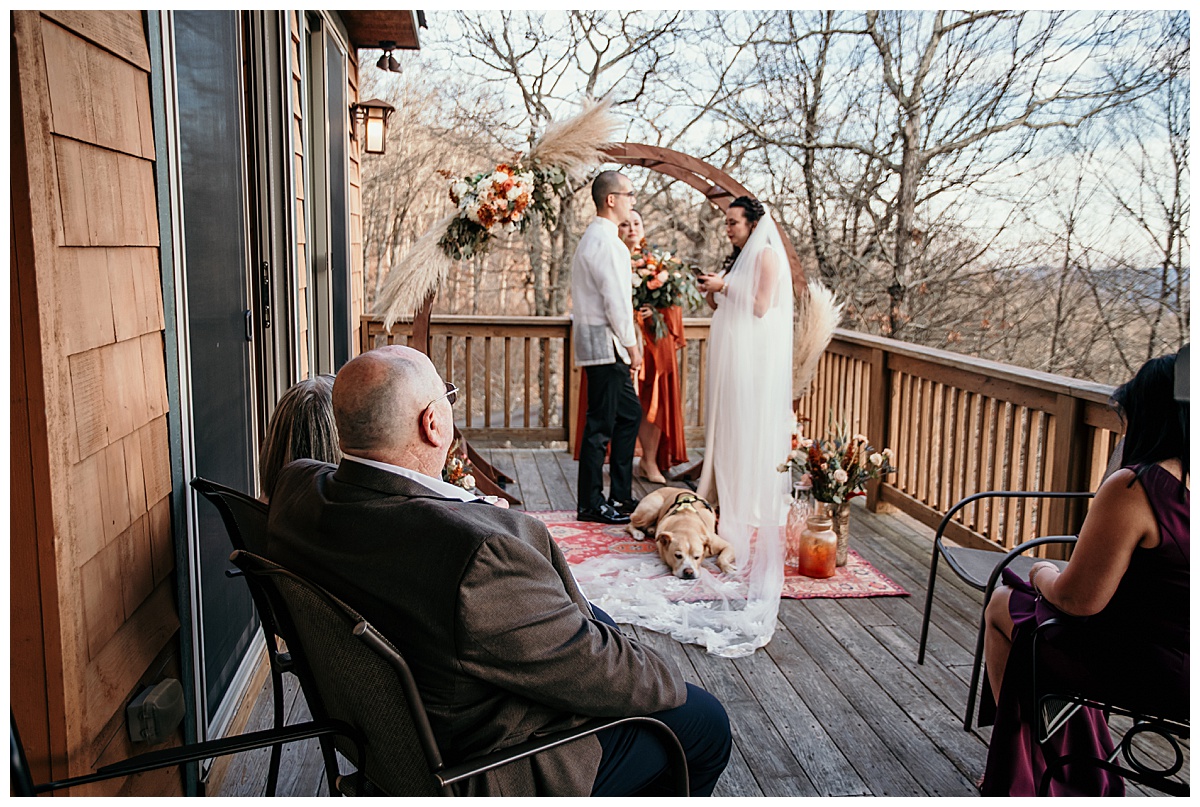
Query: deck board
[{"x": 835, "y": 705}]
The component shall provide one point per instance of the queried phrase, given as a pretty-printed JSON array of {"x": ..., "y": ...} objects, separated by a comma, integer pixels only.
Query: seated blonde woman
[{"x": 301, "y": 427}]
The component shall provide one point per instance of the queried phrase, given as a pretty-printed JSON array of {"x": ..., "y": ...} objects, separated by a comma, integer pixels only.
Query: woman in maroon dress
[{"x": 1128, "y": 577}]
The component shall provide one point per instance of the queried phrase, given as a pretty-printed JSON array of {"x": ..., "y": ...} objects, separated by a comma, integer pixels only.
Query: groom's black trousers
[{"x": 613, "y": 416}]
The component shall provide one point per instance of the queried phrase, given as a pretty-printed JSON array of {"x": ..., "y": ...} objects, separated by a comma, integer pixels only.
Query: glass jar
[
  {"x": 797, "y": 517},
  {"x": 818, "y": 547}
]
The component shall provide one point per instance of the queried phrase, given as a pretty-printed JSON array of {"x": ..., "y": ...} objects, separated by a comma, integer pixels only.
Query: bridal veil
[{"x": 748, "y": 417}]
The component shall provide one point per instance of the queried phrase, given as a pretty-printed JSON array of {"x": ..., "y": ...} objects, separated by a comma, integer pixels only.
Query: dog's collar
[{"x": 688, "y": 500}]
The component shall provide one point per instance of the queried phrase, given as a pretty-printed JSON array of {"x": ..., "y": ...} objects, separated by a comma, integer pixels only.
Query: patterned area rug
[{"x": 581, "y": 540}]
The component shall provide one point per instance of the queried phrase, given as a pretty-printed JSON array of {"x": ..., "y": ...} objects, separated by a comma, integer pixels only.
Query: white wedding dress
[{"x": 748, "y": 416}]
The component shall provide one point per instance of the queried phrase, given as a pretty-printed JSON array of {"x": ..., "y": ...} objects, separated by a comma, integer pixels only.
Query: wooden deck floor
[{"x": 835, "y": 705}]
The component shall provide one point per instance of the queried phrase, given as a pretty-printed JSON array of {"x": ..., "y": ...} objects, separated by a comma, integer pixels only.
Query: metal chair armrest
[
  {"x": 167, "y": 757},
  {"x": 474, "y": 767},
  {"x": 1021, "y": 549},
  {"x": 1004, "y": 494}
]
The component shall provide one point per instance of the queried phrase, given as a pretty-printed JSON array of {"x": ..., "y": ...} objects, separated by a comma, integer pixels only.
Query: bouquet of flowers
[
  {"x": 457, "y": 470},
  {"x": 661, "y": 280},
  {"x": 838, "y": 468}
]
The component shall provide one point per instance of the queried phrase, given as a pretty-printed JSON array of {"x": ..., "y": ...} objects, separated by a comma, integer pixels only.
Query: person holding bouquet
[
  {"x": 661, "y": 436},
  {"x": 661, "y": 284}
]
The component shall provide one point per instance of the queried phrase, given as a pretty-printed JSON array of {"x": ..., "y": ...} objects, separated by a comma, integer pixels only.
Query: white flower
[
  {"x": 840, "y": 476},
  {"x": 782, "y": 467},
  {"x": 497, "y": 178},
  {"x": 877, "y": 459},
  {"x": 473, "y": 211},
  {"x": 677, "y": 275},
  {"x": 468, "y": 481},
  {"x": 806, "y": 443},
  {"x": 460, "y": 189},
  {"x": 515, "y": 191},
  {"x": 860, "y": 438},
  {"x": 887, "y": 454},
  {"x": 637, "y": 280},
  {"x": 663, "y": 276}
]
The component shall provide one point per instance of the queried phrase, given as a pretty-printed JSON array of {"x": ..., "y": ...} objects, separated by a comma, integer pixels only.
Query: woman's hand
[
  {"x": 1037, "y": 567},
  {"x": 646, "y": 311},
  {"x": 710, "y": 284}
]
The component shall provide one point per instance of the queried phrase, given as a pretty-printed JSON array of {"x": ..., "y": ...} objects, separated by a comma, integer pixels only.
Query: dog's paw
[
  {"x": 635, "y": 533},
  {"x": 728, "y": 567}
]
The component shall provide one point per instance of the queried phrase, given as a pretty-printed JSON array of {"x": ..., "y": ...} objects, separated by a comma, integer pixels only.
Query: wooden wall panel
[
  {"x": 122, "y": 33},
  {"x": 355, "y": 201},
  {"x": 96, "y": 325}
]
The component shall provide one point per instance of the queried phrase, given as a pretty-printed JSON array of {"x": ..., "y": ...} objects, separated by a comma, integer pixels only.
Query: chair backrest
[
  {"x": 349, "y": 672},
  {"x": 245, "y": 517}
]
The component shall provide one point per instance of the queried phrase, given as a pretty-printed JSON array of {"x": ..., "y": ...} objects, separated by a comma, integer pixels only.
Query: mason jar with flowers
[{"x": 835, "y": 470}]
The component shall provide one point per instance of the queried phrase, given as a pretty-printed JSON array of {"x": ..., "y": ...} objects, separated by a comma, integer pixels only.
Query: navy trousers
[
  {"x": 613, "y": 415},
  {"x": 634, "y": 762}
]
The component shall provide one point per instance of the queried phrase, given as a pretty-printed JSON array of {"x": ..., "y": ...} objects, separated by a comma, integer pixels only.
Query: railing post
[
  {"x": 1071, "y": 456},
  {"x": 879, "y": 417}
]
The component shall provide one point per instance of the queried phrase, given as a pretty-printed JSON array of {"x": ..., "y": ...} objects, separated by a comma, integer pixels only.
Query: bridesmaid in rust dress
[
  {"x": 1129, "y": 579},
  {"x": 661, "y": 442}
]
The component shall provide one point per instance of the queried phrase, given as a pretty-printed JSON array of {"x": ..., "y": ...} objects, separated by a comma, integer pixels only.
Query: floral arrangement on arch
[
  {"x": 837, "y": 468},
  {"x": 457, "y": 470},
  {"x": 498, "y": 202},
  {"x": 661, "y": 280},
  {"x": 509, "y": 198}
]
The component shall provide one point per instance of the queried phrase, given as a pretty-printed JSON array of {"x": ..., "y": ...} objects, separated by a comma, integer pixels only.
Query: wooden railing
[
  {"x": 957, "y": 425},
  {"x": 511, "y": 372},
  {"x": 960, "y": 425}
]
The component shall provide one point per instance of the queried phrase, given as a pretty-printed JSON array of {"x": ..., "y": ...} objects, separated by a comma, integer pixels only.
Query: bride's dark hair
[{"x": 753, "y": 210}]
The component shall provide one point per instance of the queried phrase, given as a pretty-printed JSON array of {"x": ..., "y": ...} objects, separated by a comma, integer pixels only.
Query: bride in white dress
[{"x": 748, "y": 418}]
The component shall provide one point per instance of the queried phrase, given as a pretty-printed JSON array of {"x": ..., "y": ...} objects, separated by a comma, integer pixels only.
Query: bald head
[{"x": 379, "y": 399}]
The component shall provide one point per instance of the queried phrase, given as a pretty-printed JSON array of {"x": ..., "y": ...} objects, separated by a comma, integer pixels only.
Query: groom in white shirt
[{"x": 606, "y": 347}]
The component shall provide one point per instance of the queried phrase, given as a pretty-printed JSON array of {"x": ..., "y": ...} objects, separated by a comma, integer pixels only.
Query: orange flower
[{"x": 653, "y": 283}]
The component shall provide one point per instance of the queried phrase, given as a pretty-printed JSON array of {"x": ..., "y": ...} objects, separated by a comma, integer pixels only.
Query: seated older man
[{"x": 478, "y": 599}]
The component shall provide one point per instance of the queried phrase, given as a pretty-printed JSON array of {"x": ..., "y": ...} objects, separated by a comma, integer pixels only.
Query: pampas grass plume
[
  {"x": 818, "y": 315},
  {"x": 420, "y": 271}
]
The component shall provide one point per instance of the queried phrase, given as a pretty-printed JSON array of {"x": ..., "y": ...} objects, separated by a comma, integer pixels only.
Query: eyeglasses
[{"x": 451, "y": 395}]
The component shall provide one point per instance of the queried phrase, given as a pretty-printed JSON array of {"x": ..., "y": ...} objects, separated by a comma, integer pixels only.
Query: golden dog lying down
[{"x": 685, "y": 529}]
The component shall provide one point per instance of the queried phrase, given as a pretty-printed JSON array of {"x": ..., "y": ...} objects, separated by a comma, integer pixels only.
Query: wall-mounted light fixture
[
  {"x": 387, "y": 61},
  {"x": 373, "y": 115}
]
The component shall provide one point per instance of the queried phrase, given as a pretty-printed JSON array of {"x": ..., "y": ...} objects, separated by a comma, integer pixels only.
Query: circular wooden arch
[{"x": 718, "y": 187}]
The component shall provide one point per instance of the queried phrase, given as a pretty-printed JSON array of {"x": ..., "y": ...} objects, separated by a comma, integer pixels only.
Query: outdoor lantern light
[{"x": 374, "y": 116}]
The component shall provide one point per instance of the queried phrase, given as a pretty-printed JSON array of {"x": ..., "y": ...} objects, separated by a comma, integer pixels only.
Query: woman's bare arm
[
  {"x": 1119, "y": 519},
  {"x": 768, "y": 266}
]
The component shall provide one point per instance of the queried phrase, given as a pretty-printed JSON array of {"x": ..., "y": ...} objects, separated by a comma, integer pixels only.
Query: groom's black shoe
[
  {"x": 604, "y": 514},
  {"x": 624, "y": 507}
]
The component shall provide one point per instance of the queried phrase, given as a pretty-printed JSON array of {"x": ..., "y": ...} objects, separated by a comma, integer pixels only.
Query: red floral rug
[{"x": 581, "y": 540}]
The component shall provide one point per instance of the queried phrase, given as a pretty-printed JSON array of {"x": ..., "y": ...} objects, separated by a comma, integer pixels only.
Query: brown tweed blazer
[{"x": 482, "y": 605}]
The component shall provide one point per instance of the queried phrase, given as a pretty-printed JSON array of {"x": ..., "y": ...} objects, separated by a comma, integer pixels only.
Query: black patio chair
[
  {"x": 356, "y": 675},
  {"x": 981, "y": 569},
  {"x": 23, "y": 784},
  {"x": 245, "y": 520},
  {"x": 1058, "y": 700}
]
